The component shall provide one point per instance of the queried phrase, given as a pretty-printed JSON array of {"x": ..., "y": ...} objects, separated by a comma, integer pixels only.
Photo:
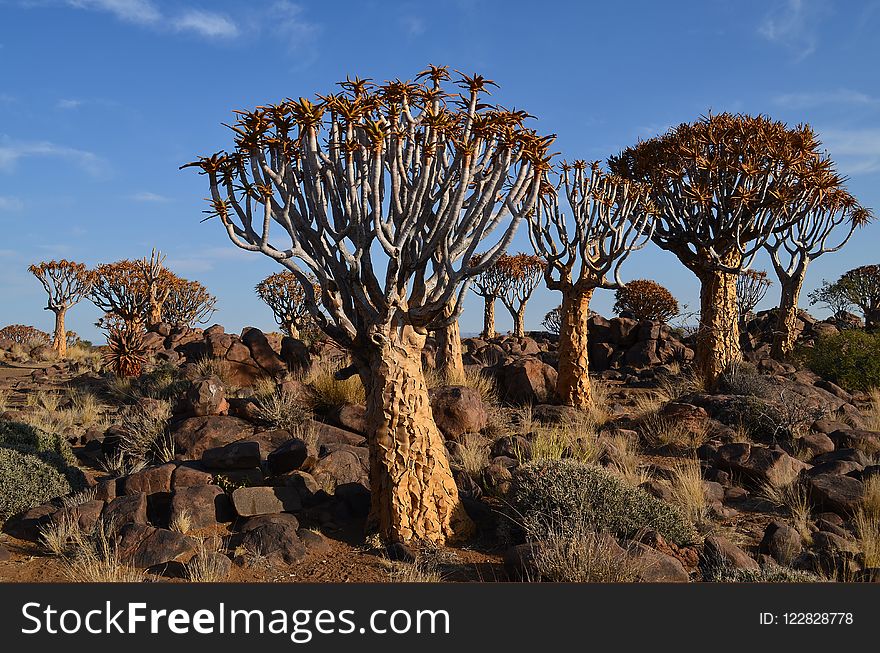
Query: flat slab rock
[{"x": 261, "y": 500}]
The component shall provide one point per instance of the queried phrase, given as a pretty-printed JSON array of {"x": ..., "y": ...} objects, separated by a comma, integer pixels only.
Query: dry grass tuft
[
  {"x": 624, "y": 454},
  {"x": 205, "y": 565},
  {"x": 688, "y": 493},
  {"x": 281, "y": 410},
  {"x": 872, "y": 413},
  {"x": 333, "y": 393},
  {"x": 473, "y": 454},
  {"x": 578, "y": 439},
  {"x": 4, "y": 400},
  {"x": 660, "y": 432},
  {"x": 419, "y": 571},
  {"x": 574, "y": 553},
  {"x": 144, "y": 431},
  {"x": 795, "y": 500},
  {"x": 181, "y": 522}
]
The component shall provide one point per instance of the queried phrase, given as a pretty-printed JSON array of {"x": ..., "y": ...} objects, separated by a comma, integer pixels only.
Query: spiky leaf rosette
[{"x": 126, "y": 354}]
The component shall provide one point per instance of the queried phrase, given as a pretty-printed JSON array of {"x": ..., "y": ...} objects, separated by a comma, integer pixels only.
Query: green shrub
[
  {"x": 767, "y": 574},
  {"x": 553, "y": 491},
  {"x": 27, "y": 481},
  {"x": 850, "y": 359},
  {"x": 51, "y": 447}
]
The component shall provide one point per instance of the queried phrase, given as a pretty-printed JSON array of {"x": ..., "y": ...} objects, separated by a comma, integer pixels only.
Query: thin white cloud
[
  {"x": 206, "y": 23},
  {"x": 147, "y": 196},
  {"x": 68, "y": 104},
  {"x": 846, "y": 97},
  {"x": 9, "y": 204},
  {"x": 856, "y": 151},
  {"x": 140, "y": 12},
  {"x": 794, "y": 25},
  {"x": 146, "y": 13},
  {"x": 11, "y": 152}
]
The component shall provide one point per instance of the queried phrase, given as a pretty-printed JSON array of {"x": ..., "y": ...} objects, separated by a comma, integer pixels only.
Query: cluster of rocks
[{"x": 756, "y": 337}]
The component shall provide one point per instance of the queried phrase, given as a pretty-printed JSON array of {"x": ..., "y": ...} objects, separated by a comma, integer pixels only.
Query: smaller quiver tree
[
  {"x": 121, "y": 289},
  {"x": 751, "y": 287},
  {"x": 835, "y": 299},
  {"x": 862, "y": 287},
  {"x": 792, "y": 250},
  {"x": 488, "y": 285},
  {"x": 284, "y": 294},
  {"x": 66, "y": 283},
  {"x": 189, "y": 303},
  {"x": 646, "y": 300},
  {"x": 610, "y": 217},
  {"x": 552, "y": 319},
  {"x": 722, "y": 186},
  {"x": 522, "y": 273}
]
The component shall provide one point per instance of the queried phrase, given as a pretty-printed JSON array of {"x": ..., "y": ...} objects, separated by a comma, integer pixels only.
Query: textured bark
[
  {"x": 449, "y": 362},
  {"x": 786, "y": 318},
  {"x": 290, "y": 329},
  {"x": 414, "y": 496},
  {"x": 573, "y": 383},
  {"x": 489, "y": 317},
  {"x": 155, "y": 313},
  {"x": 519, "y": 321},
  {"x": 717, "y": 344},
  {"x": 59, "y": 341}
]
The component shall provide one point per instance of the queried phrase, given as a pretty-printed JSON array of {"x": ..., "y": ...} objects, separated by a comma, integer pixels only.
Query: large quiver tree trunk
[
  {"x": 59, "y": 341},
  {"x": 717, "y": 340},
  {"x": 414, "y": 496},
  {"x": 573, "y": 383},
  {"x": 785, "y": 333}
]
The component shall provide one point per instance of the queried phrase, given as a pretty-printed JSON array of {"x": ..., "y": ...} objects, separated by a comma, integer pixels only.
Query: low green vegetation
[{"x": 851, "y": 359}]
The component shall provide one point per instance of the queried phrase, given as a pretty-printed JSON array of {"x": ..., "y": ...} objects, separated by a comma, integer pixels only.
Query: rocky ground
[{"x": 239, "y": 457}]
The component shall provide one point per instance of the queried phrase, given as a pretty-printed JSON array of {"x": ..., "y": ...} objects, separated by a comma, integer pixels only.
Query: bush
[
  {"x": 767, "y": 574},
  {"x": 27, "y": 481},
  {"x": 646, "y": 300},
  {"x": 24, "y": 438},
  {"x": 553, "y": 491},
  {"x": 851, "y": 359}
]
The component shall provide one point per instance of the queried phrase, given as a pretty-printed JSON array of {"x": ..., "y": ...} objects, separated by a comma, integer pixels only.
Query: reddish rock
[
  {"x": 527, "y": 381},
  {"x": 193, "y": 436},
  {"x": 150, "y": 480},
  {"x": 458, "y": 410}
]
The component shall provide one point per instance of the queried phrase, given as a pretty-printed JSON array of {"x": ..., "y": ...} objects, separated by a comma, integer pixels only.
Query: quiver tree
[
  {"x": 488, "y": 285},
  {"x": 121, "y": 290},
  {"x": 751, "y": 287},
  {"x": 584, "y": 251},
  {"x": 159, "y": 281},
  {"x": 721, "y": 186},
  {"x": 384, "y": 193},
  {"x": 552, "y": 319},
  {"x": 861, "y": 286},
  {"x": 66, "y": 283},
  {"x": 284, "y": 294},
  {"x": 645, "y": 300},
  {"x": 23, "y": 334},
  {"x": 449, "y": 363},
  {"x": 189, "y": 303},
  {"x": 522, "y": 273},
  {"x": 792, "y": 250},
  {"x": 834, "y": 297}
]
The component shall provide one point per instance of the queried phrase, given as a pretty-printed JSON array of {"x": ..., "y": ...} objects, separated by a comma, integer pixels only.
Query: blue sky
[{"x": 102, "y": 100}]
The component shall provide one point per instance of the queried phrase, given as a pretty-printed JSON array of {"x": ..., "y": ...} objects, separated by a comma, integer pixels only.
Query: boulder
[
  {"x": 243, "y": 454},
  {"x": 150, "y": 480},
  {"x": 262, "y": 352},
  {"x": 144, "y": 546},
  {"x": 760, "y": 464},
  {"x": 781, "y": 542},
  {"x": 274, "y": 538},
  {"x": 527, "y": 381},
  {"x": 206, "y": 397},
  {"x": 719, "y": 550},
  {"x": 289, "y": 456},
  {"x": 130, "y": 509},
  {"x": 458, "y": 410},
  {"x": 866, "y": 441},
  {"x": 194, "y": 435},
  {"x": 642, "y": 354},
  {"x": 186, "y": 476},
  {"x": 656, "y": 567},
  {"x": 206, "y": 505},
  {"x": 352, "y": 417},
  {"x": 342, "y": 464},
  {"x": 249, "y": 501},
  {"x": 295, "y": 354},
  {"x": 840, "y": 494}
]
